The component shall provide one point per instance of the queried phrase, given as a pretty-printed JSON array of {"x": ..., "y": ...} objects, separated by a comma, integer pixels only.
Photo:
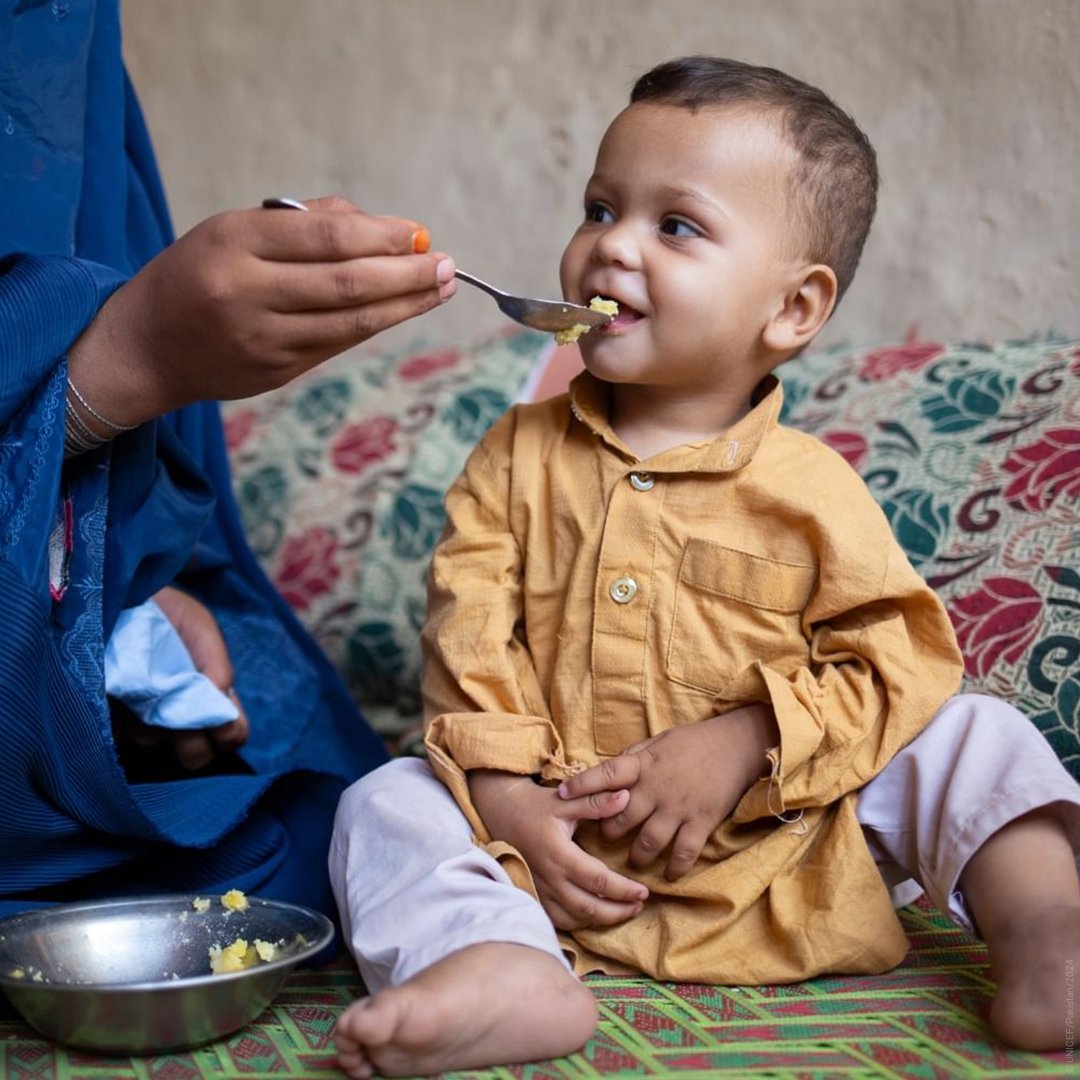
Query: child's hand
[
  {"x": 683, "y": 783},
  {"x": 575, "y": 889}
]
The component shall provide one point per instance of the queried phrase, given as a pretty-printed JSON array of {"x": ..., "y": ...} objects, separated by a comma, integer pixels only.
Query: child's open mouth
[{"x": 625, "y": 317}]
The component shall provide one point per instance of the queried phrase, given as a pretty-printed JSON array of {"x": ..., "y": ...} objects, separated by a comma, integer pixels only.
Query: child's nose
[{"x": 618, "y": 245}]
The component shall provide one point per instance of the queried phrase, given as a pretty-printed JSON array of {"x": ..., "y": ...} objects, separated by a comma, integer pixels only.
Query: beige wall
[{"x": 481, "y": 118}]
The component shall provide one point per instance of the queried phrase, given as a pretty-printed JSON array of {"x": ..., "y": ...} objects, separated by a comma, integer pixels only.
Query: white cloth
[
  {"x": 412, "y": 887},
  {"x": 149, "y": 669},
  {"x": 979, "y": 765}
]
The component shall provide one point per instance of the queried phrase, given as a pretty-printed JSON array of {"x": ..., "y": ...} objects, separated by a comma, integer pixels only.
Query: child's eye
[
  {"x": 677, "y": 227},
  {"x": 598, "y": 213}
]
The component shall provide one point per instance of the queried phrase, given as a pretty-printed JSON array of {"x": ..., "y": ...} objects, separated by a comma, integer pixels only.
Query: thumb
[
  {"x": 334, "y": 203},
  {"x": 596, "y": 807}
]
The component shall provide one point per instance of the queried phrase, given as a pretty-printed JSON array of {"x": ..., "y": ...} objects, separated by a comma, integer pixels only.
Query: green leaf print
[
  {"x": 967, "y": 401},
  {"x": 416, "y": 522},
  {"x": 918, "y": 522}
]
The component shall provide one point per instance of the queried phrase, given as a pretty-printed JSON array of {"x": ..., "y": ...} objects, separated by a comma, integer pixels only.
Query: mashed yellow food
[
  {"x": 597, "y": 303},
  {"x": 240, "y": 955},
  {"x": 235, "y": 900}
]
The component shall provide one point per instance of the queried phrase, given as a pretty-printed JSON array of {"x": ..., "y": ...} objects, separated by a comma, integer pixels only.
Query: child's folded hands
[
  {"x": 575, "y": 889},
  {"x": 682, "y": 784}
]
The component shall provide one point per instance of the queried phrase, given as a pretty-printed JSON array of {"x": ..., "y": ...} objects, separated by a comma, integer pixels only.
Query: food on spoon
[
  {"x": 201, "y": 903},
  {"x": 597, "y": 303}
]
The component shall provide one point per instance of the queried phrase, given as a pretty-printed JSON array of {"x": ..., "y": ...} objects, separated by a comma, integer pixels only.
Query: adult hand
[
  {"x": 249, "y": 299},
  {"x": 682, "y": 784},
  {"x": 575, "y": 889},
  {"x": 198, "y": 630}
]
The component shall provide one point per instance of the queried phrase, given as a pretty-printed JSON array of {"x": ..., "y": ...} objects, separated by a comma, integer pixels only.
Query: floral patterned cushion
[
  {"x": 340, "y": 479},
  {"x": 973, "y": 451}
]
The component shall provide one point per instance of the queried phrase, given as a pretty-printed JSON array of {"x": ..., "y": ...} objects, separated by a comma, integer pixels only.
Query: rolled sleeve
[{"x": 877, "y": 673}]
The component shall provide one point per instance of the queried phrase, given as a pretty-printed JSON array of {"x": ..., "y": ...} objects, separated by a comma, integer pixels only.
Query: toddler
[{"x": 690, "y": 711}]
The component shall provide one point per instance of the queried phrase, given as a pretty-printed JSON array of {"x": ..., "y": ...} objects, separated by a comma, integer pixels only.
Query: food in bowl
[
  {"x": 240, "y": 955},
  {"x": 234, "y": 900},
  {"x": 131, "y": 975}
]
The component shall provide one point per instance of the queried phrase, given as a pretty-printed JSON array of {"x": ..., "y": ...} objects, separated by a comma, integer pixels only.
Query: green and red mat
[{"x": 927, "y": 1018}]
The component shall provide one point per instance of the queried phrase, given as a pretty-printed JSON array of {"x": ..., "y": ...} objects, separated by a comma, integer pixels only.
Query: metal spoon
[{"x": 546, "y": 315}]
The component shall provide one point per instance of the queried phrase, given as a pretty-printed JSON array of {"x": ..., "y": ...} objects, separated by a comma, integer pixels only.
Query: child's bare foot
[
  {"x": 1023, "y": 891},
  {"x": 1034, "y": 963},
  {"x": 490, "y": 1004}
]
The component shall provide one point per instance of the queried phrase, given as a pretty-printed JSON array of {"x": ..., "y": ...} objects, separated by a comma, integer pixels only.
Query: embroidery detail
[
  {"x": 82, "y": 646},
  {"x": 42, "y": 435}
]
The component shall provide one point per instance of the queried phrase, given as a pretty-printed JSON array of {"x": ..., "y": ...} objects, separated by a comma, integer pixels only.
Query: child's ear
[{"x": 807, "y": 305}]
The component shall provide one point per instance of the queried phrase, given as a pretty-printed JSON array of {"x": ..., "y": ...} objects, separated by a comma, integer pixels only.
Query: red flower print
[
  {"x": 419, "y": 367},
  {"x": 882, "y": 364},
  {"x": 1045, "y": 470},
  {"x": 997, "y": 623},
  {"x": 361, "y": 445},
  {"x": 306, "y": 567},
  {"x": 238, "y": 424},
  {"x": 850, "y": 445}
]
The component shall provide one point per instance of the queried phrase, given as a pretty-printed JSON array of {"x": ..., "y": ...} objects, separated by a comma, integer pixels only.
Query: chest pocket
[{"x": 732, "y": 609}]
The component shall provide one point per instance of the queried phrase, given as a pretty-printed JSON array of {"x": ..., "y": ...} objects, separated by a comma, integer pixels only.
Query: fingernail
[
  {"x": 563, "y": 791},
  {"x": 444, "y": 272},
  {"x": 421, "y": 240}
]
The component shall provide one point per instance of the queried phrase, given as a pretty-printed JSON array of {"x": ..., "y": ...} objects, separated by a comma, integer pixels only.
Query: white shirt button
[
  {"x": 641, "y": 481},
  {"x": 623, "y": 590}
]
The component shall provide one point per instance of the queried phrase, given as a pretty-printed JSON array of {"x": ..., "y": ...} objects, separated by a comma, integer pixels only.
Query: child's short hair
[{"x": 835, "y": 187}]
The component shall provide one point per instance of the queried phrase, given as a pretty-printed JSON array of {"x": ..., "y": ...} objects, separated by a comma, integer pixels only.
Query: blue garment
[{"x": 81, "y": 209}]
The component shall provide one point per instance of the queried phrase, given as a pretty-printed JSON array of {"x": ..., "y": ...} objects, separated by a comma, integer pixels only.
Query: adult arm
[{"x": 246, "y": 301}]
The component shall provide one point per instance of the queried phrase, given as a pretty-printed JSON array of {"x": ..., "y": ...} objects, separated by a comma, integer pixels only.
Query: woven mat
[{"x": 924, "y": 1019}]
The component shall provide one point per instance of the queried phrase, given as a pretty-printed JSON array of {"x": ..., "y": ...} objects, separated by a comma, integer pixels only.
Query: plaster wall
[{"x": 480, "y": 118}]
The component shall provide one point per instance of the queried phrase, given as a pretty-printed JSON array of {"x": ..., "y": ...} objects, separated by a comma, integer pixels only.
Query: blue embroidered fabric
[{"x": 81, "y": 210}]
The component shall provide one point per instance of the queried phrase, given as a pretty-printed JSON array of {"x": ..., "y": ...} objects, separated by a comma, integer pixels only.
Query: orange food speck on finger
[{"x": 421, "y": 240}]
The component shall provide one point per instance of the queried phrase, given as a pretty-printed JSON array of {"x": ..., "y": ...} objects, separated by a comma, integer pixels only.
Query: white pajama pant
[{"x": 412, "y": 887}]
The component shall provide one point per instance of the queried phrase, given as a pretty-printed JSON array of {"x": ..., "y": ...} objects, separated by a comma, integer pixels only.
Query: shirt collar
[{"x": 590, "y": 401}]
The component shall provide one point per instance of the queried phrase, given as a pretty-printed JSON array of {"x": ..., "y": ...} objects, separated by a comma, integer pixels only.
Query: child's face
[{"x": 688, "y": 226}]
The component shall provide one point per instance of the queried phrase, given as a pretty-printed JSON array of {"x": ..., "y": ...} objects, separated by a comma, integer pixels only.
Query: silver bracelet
[
  {"x": 81, "y": 428},
  {"x": 94, "y": 413},
  {"x": 78, "y": 438}
]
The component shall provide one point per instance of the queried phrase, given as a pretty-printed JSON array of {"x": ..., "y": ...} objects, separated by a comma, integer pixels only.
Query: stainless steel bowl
[{"x": 132, "y": 976}]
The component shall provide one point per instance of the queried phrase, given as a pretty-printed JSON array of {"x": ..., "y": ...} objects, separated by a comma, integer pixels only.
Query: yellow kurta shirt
[{"x": 582, "y": 600}]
